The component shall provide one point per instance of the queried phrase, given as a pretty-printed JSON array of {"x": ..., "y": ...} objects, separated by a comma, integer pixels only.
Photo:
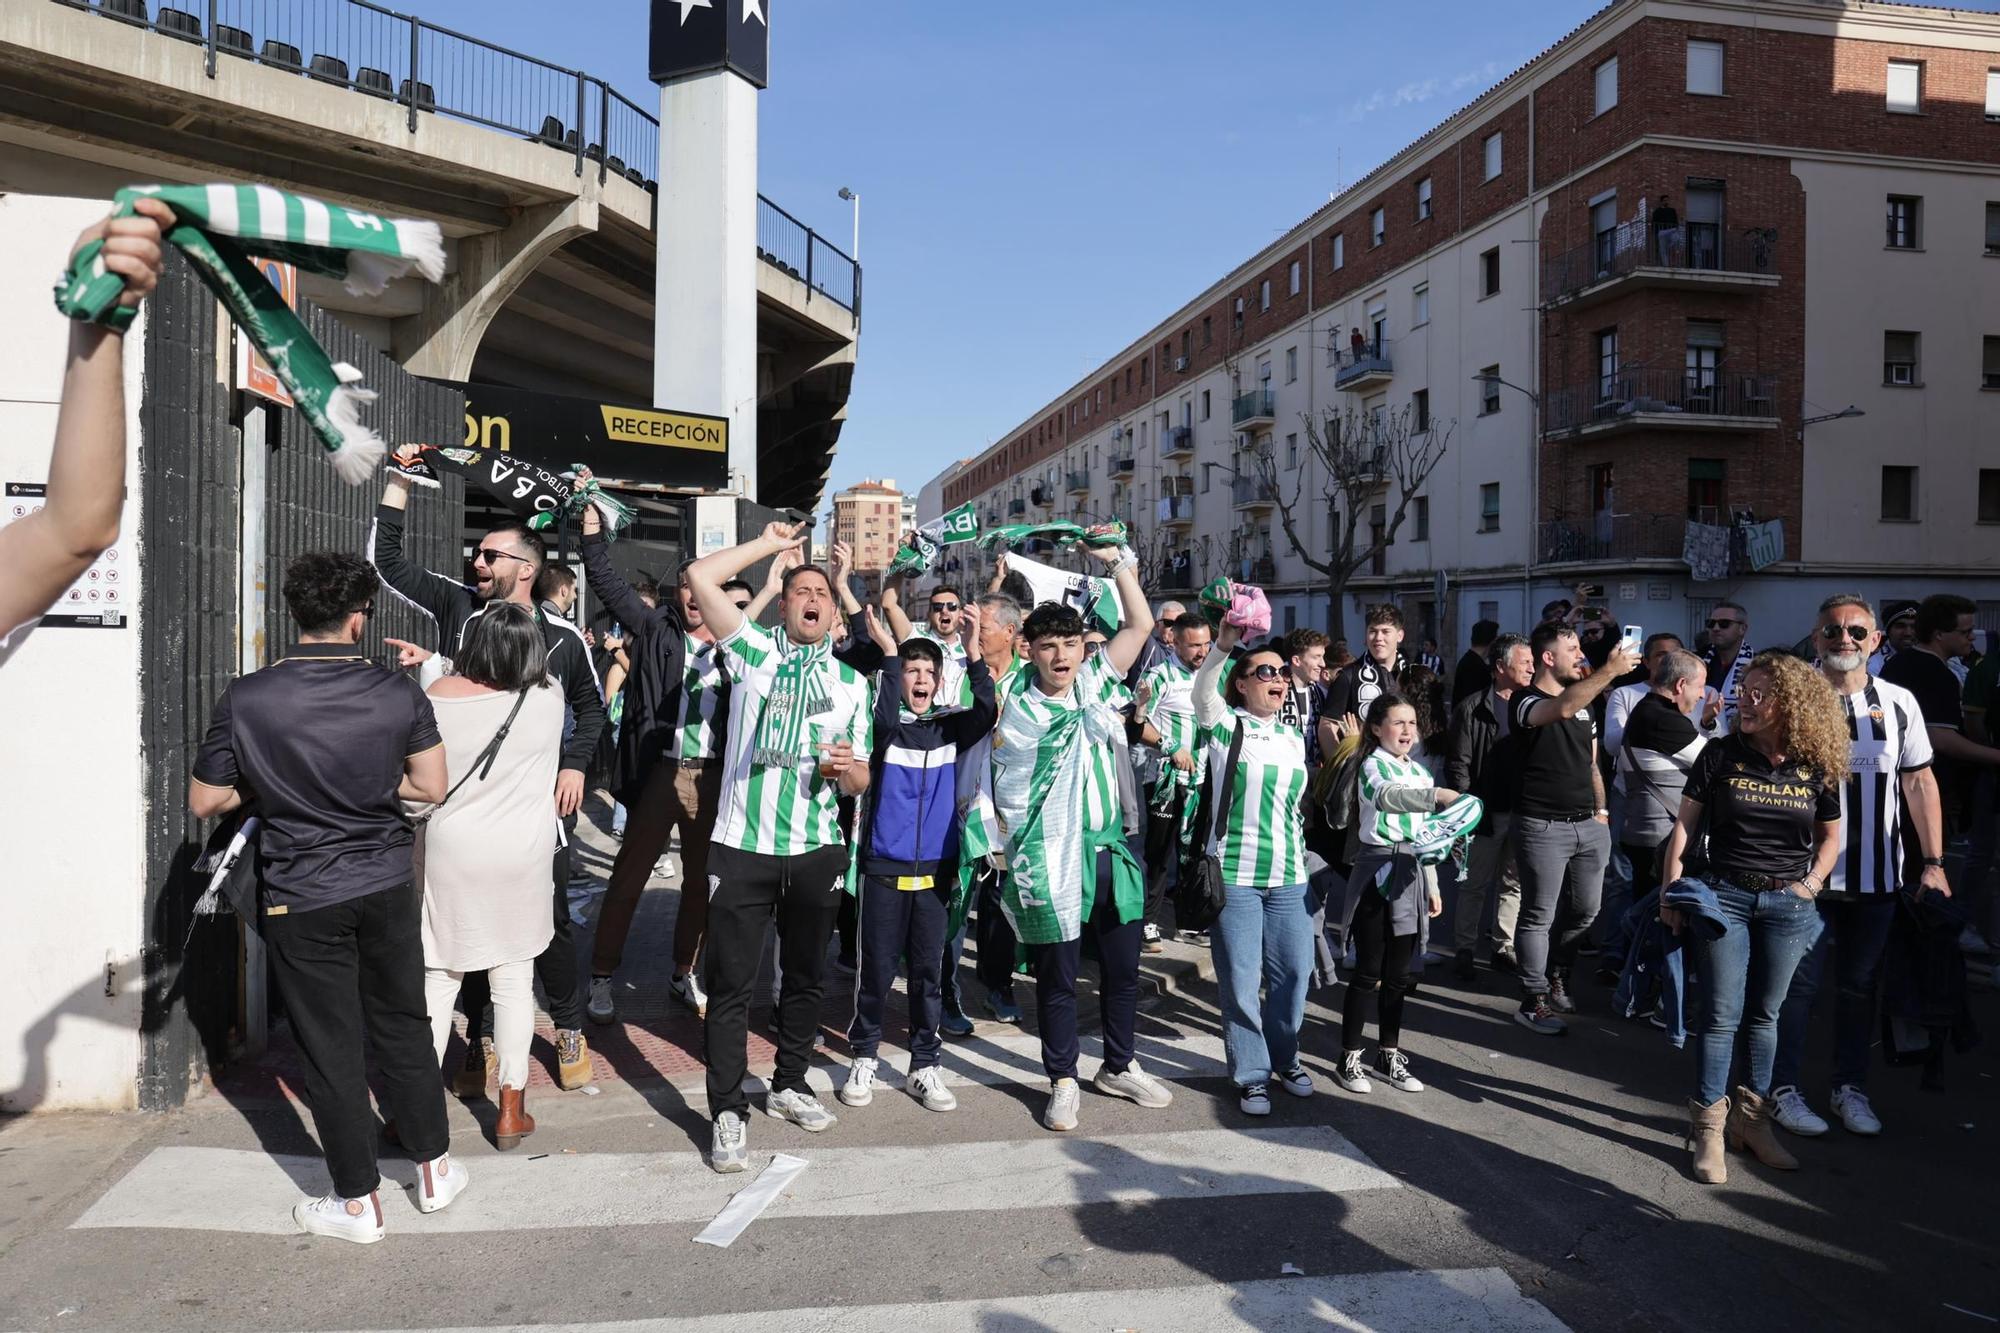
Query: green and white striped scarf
[
  {"x": 798, "y": 693},
  {"x": 219, "y": 228}
]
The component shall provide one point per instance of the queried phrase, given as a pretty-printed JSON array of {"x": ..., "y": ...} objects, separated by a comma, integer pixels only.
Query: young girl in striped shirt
[
  {"x": 1264, "y": 937},
  {"x": 1390, "y": 891}
]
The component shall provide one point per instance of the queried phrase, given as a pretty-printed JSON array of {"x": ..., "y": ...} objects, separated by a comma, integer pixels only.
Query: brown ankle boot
[
  {"x": 1705, "y": 1137},
  {"x": 1749, "y": 1129},
  {"x": 573, "y": 1069},
  {"x": 514, "y": 1123}
]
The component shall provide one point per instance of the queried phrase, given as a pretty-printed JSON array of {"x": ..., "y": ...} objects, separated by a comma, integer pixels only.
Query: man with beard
[
  {"x": 504, "y": 568},
  {"x": 1891, "y": 776},
  {"x": 1728, "y": 658}
]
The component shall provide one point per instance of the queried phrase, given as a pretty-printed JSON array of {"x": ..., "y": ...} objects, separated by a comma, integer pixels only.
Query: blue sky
[{"x": 1041, "y": 183}]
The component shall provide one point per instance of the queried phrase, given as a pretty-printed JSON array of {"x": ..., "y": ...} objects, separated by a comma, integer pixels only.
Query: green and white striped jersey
[
  {"x": 703, "y": 685},
  {"x": 1380, "y": 771},
  {"x": 1263, "y": 845},
  {"x": 1030, "y": 713},
  {"x": 783, "y": 811},
  {"x": 1171, "y": 709}
]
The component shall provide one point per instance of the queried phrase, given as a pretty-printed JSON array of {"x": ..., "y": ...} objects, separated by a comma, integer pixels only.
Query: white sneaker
[
  {"x": 729, "y": 1144},
  {"x": 802, "y": 1109},
  {"x": 1296, "y": 1081},
  {"x": 927, "y": 1086},
  {"x": 439, "y": 1181},
  {"x": 664, "y": 868},
  {"x": 1790, "y": 1110},
  {"x": 859, "y": 1090},
  {"x": 687, "y": 989},
  {"x": 1254, "y": 1099},
  {"x": 1134, "y": 1084},
  {"x": 1394, "y": 1068},
  {"x": 1349, "y": 1074},
  {"x": 601, "y": 1007},
  {"x": 1064, "y": 1098},
  {"x": 336, "y": 1217},
  {"x": 1851, "y": 1105},
  {"x": 1151, "y": 934}
]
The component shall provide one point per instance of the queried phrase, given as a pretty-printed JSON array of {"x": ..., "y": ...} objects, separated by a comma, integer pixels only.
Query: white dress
[{"x": 487, "y": 853}]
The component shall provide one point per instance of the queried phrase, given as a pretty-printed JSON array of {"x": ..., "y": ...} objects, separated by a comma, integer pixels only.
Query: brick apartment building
[
  {"x": 1613, "y": 378},
  {"x": 869, "y": 517}
]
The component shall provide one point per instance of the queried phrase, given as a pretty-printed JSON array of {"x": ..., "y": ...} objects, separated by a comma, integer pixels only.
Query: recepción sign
[{"x": 618, "y": 442}]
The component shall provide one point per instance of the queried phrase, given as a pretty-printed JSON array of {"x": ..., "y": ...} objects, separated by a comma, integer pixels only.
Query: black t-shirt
[
  {"x": 1553, "y": 762},
  {"x": 1760, "y": 819},
  {"x": 1936, "y": 687},
  {"x": 1469, "y": 677},
  {"x": 317, "y": 740}
]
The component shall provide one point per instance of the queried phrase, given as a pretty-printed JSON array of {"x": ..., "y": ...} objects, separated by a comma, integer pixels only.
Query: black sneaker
[
  {"x": 1536, "y": 1016},
  {"x": 1462, "y": 967}
]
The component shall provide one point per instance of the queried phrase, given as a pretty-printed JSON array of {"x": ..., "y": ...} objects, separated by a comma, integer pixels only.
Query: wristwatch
[
  {"x": 1600, "y": 813},
  {"x": 1937, "y": 861}
]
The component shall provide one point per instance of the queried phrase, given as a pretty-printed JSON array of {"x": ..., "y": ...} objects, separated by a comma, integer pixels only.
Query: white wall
[{"x": 70, "y": 816}]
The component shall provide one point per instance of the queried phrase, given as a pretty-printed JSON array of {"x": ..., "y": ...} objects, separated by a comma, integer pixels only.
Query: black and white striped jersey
[{"x": 1889, "y": 740}]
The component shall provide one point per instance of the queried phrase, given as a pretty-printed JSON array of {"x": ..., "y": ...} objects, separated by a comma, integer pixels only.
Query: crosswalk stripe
[
  {"x": 226, "y": 1189},
  {"x": 1411, "y": 1302}
]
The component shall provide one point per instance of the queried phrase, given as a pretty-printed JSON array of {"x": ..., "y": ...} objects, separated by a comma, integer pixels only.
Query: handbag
[
  {"x": 482, "y": 763},
  {"x": 1201, "y": 892}
]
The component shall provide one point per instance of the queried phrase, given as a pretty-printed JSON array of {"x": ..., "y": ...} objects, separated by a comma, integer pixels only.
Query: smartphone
[{"x": 1633, "y": 640}]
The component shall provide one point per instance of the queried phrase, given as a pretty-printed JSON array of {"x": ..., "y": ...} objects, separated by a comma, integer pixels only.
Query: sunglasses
[
  {"x": 743, "y": 605},
  {"x": 1092, "y": 648},
  {"x": 1264, "y": 671},
  {"x": 943, "y": 606},
  {"x": 1858, "y": 633},
  {"x": 490, "y": 556},
  {"x": 1723, "y": 624}
]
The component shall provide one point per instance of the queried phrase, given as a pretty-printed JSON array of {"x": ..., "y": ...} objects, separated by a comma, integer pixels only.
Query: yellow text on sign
[{"x": 631, "y": 425}]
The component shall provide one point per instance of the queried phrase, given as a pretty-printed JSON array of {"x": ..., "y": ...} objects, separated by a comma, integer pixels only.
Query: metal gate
[{"x": 230, "y": 494}]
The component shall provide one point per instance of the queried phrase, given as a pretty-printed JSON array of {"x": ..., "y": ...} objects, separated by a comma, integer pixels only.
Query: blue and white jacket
[{"x": 911, "y": 827}]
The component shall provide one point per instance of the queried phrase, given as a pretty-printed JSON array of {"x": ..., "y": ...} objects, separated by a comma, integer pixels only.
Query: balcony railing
[
  {"x": 1176, "y": 441},
  {"x": 1176, "y": 509},
  {"x": 437, "y": 71},
  {"x": 1043, "y": 496},
  {"x": 1692, "y": 399},
  {"x": 1258, "y": 569},
  {"x": 1684, "y": 254},
  {"x": 1079, "y": 482},
  {"x": 1256, "y": 405},
  {"x": 1122, "y": 467},
  {"x": 1612, "y": 537},
  {"x": 1361, "y": 367},
  {"x": 1250, "y": 492},
  {"x": 1177, "y": 485},
  {"x": 1016, "y": 508}
]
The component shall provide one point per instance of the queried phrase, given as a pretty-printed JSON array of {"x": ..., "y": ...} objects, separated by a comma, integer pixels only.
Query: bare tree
[{"x": 1356, "y": 457}]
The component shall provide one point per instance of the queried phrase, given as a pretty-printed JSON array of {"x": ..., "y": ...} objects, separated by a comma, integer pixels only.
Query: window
[
  {"x": 1295, "y": 278},
  {"x": 1378, "y": 227},
  {"x": 1423, "y": 198},
  {"x": 1187, "y": 341},
  {"x": 1489, "y": 507},
  {"x": 1704, "y": 362},
  {"x": 1493, "y": 159},
  {"x": 1993, "y": 94},
  {"x": 1339, "y": 250},
  {"x": 1993, "y": 229},
  {"x": 1606, "y": 343},
  {"x": 1906, "y": 86},
  {"x": 1989, "y": 364},
  {"x": 1604, "y": 231},
  {"x": 1420, "y": 306},
  {"x": 1705, "y": 478},
  {"x": 1605, "y": 79},
  {"x": 1292, "y": 450},
  {"x": 1989, "y": 495},
  {"x": 1264, "y": 295},
  {"x": 1489, "y": 391},
  {"x": 1904, "y": 211},
  {"x": 1264, "y": 374},
  {"x": 1420, "y": 410},
  {"x": 1204, "y": 404},
  {"x": 1291, "y": 365},
  {"x": 1899, "y": 358},
  {"x": 1207, "y": 330},
  {"x": 1899, "y": 494},
  {"x": 1705, "y": 68},
  {"x": 1236, "y": 314},
  {"x": 1378, "y": 326},
  {"x": 1420, "y": 518},
  {"x": 1378, "y": 538},
  {"x": 1489, "y": 273}
]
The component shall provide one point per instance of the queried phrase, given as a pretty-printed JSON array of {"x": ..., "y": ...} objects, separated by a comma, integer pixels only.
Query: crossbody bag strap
[
  {"x": 1228, "y": 797},
  {"x": 482, "y": 764}
]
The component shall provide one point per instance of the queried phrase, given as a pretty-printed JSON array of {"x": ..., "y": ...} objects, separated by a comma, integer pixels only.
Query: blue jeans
[
  {"x": 1857, "y": 933},
  {"x": 1619, "y": 881},
  {"x": 1263, "y": 939},
  {"x": 1744, "y": 977}
]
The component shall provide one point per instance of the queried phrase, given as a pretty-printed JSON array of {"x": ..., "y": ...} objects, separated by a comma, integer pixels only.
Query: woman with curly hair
[
  {"x": 1424, "y": 689},
  {"x": 1767, "y": 801}
]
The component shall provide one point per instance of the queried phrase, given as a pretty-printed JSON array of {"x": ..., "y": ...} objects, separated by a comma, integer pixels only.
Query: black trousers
[
  {"x": 556, "y": 969},
  {"x": 995, "y": 938},
  {"x": 1382, "y": 962},
  {"x": 804, "y": 893},
  {"x": 1163, "y": 859},
  {"x": 1117, "y": 985},
  {"x": 895, "y": 925},
  {"x": 353, "y": 968}
]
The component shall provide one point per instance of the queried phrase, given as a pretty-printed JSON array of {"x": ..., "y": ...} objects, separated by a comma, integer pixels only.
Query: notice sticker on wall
[{"x": 101, "y": 597}]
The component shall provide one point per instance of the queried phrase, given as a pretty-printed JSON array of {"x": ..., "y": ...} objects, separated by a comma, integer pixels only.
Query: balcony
[
  {"x": 1253, "y": 493},
  {"x": 1177, "y": 572},
  {"x": 1261, "y": 570},
  {"x": 1364, "y": 367},
  {"x": 1043, "y": 497},
  {"x": 1698, "y": 258},
  {"x": 1177, "y": 442},
  {"x": 1122, "y": 468},
  {"x": 1078, "y": 483},
  {"x": 1176, "y": 511},
  {"x": 1612, "y": 538},
  {"x": 1017, "y": 508},
  {"x": 1259, "y": 407},
  {"x": 1651, "y": 399}
]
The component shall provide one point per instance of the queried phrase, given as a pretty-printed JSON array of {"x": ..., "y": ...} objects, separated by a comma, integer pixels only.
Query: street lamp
[
  {"x": 1849, "y": 411},
  {"x": 851, "y": 197},
  {"x": 1534, "y": 485}
]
